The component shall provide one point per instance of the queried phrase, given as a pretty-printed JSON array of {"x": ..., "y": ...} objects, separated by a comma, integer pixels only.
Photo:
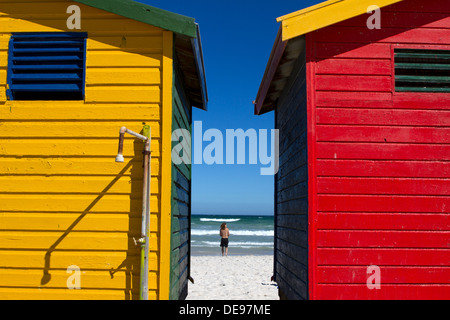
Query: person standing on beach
[{"x": 224, "y": 234}]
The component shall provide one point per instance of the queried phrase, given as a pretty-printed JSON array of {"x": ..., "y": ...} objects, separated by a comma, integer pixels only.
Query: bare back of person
[{"x": 225, "y": 233}]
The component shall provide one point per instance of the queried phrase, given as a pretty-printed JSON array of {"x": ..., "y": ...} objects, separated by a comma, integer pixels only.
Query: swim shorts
[{"x": 224, "y": 243}]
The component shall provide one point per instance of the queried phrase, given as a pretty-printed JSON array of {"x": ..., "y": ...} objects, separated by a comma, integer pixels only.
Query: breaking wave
[
  {"x": 218, "y": 220},
  {"x": 242, "y": 244},
  {"x": 263, "y": 233}
]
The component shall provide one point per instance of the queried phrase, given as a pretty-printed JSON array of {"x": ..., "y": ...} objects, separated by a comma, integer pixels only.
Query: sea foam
[
  {"x": 218, "y": 220},
  {"x": 263, "y": 233}
]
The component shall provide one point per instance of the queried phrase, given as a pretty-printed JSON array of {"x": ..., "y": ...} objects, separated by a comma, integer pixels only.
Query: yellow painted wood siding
[{"x": 63, "y": 199}]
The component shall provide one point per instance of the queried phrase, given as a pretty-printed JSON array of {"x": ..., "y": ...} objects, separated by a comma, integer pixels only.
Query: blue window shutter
[{"x": 47, "y": 66}]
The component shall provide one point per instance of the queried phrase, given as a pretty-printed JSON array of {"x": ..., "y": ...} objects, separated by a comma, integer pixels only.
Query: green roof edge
[{"x": 147, "y": 14}]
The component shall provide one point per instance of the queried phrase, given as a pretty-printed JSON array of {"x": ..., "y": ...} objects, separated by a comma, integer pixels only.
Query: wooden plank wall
[
  {"x": 383, "y": 169},
  {"x": 181, "y": 205},
  {"x": 63, "y": 199},
  {"x": 291, "y": 200}
]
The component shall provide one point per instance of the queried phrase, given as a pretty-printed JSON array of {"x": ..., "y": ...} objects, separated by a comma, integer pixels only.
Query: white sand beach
[{"x": 234, "y": 277}]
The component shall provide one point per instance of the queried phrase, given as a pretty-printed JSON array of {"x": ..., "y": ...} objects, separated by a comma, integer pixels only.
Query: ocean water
[{"x": 249, "y": 235}]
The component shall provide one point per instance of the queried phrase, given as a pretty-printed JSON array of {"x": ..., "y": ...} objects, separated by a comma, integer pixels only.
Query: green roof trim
[{"x": 147, "y": 14}]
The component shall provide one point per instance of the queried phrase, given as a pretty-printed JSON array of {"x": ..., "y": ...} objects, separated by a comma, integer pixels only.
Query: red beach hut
[{"x": 361, "y": 95}]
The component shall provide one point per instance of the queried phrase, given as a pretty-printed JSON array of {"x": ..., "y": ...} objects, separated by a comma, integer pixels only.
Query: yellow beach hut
[{"x": 72, "y": 74}]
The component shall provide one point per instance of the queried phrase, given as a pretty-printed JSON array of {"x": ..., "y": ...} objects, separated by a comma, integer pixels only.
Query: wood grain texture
[
  {"x": 291, "y": 244},
  {"x": 63, "y": 199},
  {"x": 383, "y": 166},
  {"x": 181, "y": 198}
]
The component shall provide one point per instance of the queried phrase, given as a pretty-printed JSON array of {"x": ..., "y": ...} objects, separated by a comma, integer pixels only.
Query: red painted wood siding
[{"x": 381, "y": 163}]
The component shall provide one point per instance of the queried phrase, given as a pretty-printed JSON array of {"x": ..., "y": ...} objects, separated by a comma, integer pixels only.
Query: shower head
[
  {"x": 123, "y": 130},
  {"x": 119, "y": 158}
]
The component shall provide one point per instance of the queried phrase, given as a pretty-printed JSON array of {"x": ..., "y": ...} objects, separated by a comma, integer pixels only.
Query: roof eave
[
  {"x": 147, "y": 14},
  {"x": 325, "y": 14},
  {"x": 198, "y": 55},
  {"x": 271, "y": 68},
  {"x": 182, "y": 26},
  {"x": 304, "y": 21}
]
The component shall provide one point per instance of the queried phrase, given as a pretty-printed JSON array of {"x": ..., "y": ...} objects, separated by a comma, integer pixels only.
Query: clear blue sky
[{"x": 237, "y": 38}]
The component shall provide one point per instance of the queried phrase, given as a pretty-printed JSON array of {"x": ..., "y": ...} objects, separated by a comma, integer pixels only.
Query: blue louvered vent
[{"x": 46, "y": 66}]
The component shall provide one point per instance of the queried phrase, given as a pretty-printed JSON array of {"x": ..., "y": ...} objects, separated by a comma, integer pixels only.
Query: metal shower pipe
[{"x": 145, "y": 225}]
